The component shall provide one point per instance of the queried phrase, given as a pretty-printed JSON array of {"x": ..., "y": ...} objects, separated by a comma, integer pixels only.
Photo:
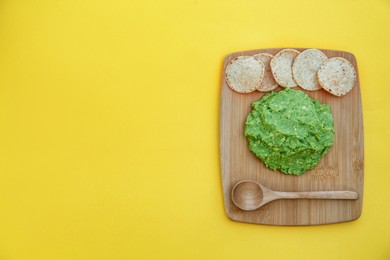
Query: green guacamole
[{"x": 289, "y": 131}]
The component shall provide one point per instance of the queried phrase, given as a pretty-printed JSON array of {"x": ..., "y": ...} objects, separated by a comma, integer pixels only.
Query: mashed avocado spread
[{"x": 289, "y": 131}]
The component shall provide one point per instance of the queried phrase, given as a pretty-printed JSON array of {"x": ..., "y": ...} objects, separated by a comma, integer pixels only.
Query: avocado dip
[{"x": 289, "y": 131}]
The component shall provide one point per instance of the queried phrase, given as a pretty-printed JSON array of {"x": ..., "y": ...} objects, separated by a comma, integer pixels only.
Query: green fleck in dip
[{"x": 289, "y": 131}]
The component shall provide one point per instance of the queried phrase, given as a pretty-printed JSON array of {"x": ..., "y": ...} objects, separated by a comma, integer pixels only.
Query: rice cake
[
  {"x": 305, "y": 68},
  {"x": 281, "y": 66},
  {"x": 244, "y": 74},
  {"x": 268, "y": 82},
  {"x": 337, "y": 76}
]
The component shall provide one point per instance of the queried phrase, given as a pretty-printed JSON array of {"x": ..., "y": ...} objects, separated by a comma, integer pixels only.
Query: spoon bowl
[
  {"x": 250, "y": 195},
  {"x": 247, "y": 195}
]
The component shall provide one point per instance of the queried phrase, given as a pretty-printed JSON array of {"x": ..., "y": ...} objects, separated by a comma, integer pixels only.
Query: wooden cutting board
[{"x": 341, "y": 169}]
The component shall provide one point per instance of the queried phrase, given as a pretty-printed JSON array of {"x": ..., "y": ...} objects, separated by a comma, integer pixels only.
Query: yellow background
[{"x": 109, "y": 116}]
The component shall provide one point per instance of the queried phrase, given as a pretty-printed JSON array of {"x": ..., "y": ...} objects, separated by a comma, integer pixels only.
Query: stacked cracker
[{"x": 311, "y": 70}]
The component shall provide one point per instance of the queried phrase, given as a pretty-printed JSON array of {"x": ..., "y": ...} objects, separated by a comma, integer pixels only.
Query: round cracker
[
  {"x": 305, "y": 68},
  {"x": 281, "y": 66},
  {"x": 337, "y": 76},
  {"x": 244, "y": 74},
  {"x": 268, "y": 83}
]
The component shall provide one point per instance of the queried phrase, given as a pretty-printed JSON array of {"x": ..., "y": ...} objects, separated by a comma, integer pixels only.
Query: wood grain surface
[{"x": 341, "y": 169}]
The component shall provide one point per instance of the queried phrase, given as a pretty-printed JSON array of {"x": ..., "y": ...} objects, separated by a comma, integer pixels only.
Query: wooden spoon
[{"x": 251, "y": 195}]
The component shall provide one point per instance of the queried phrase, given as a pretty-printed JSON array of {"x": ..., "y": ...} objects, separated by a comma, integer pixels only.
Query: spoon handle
[{"x": 333, "y": 195}]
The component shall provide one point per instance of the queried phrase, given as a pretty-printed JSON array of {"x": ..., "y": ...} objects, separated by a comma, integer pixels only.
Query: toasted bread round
[
  {"x": 281, "y": 66},
  {"x": 244, "y": 74},
  {"x": 305, "y": 68},
  {"x": 337, "y": 76},
  {"x": 268, "y": 82}
]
